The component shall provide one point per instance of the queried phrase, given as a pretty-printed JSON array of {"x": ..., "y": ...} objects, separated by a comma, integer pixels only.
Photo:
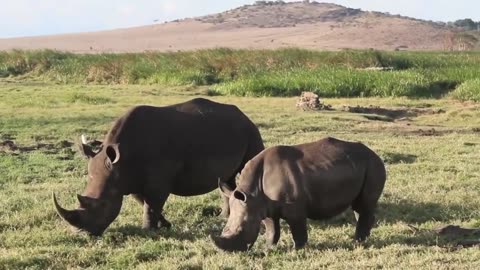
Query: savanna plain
[{"x": 422, "y": 118}]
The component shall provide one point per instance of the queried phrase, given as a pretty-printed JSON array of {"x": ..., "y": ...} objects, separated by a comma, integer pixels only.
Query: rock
[{"x": 311, "y": 101}]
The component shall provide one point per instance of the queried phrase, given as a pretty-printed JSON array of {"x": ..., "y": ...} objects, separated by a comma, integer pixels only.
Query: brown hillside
[{"x": 262, "y": 25}]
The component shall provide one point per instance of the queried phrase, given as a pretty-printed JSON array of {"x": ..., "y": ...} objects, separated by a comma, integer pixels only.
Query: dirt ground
[{"x": 310, "y": 26}]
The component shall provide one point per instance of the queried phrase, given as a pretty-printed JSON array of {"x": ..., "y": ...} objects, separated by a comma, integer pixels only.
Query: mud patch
[
  {"x": 396, "y": 158},
  {"x": 453, "y": 231},
  {"x": 391, "y": 114},
  {"x": 428, "y": 132},
  {"x": 211, "y": 211},
  {"x": 379, "y": 118},
  {"x": 10, "y": 147}
]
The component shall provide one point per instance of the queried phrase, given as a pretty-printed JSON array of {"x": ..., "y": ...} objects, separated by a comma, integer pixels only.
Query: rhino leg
[
  {"x": 364, "y": 214},
  {"x": 152, "y": 212},
  {"x": 298, "y": 228},
  {"x": 151, "y": 218},
  {"x": 365, "y": 222},
  {"x": 139, "y": 198},
  {"x": 272, "y": 230}
]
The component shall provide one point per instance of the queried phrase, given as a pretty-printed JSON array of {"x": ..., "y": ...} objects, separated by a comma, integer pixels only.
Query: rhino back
[
  {"x": 322, "y": 178},
  {"x": 202, "y": 139}
]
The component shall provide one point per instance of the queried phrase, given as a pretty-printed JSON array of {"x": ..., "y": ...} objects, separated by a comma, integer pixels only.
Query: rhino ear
[
  {"x": 239, "y": 195},
  {"x": 86, "y": 149},
  {"x": 224, "y": 188},
  {"x": 113, "y": 153}
]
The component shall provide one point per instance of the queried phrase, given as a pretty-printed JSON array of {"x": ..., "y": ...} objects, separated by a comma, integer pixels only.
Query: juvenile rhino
[
  {"x": 316, "y": 180},
  {"x": 151, "y": 152}
]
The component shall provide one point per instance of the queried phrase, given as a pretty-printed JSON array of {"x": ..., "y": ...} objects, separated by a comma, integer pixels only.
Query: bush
[{"x": 469, "y": 90}]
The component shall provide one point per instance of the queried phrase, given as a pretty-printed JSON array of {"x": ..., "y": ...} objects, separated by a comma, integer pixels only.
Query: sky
[{"x": 44, "y": 17}]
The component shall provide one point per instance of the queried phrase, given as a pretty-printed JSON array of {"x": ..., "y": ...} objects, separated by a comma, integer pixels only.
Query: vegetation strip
[{"x": 284, "y": 72}]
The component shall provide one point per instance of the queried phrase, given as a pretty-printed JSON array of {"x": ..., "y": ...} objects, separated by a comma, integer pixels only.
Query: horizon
[{"x": 26, "y": 18}]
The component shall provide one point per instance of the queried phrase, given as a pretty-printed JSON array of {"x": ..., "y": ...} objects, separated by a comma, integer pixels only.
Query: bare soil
[{"x": 305, "y": 25}]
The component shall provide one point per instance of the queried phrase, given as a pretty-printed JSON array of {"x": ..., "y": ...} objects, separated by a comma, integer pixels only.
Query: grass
[
  {"x": 469, "y": 90},
  {"x": 433, "y": 180},
  {"x": 284, "y": 72}
]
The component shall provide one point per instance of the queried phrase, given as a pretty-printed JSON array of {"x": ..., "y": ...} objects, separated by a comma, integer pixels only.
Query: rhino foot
[{"x": 164, "y": 224}]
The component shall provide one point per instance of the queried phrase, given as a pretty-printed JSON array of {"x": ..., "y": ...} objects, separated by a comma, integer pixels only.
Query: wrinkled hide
[
  {"x": 317, "y": 180},
  {"x": 151, "y": 152}
]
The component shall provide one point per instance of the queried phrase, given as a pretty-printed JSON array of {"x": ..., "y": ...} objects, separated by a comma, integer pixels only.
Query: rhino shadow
[
  {"x": 398, "y": 158},
  {"x": 209, "y": 223},
  {"x": 426, "y": 239},
  {"x": 421, "y": 212},
  {"x": 131, "y": 230},
  {"x": 406, "y": 211}
]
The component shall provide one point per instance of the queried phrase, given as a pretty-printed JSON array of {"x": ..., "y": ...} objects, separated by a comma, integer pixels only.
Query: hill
[{"x": 263, "y": 25}]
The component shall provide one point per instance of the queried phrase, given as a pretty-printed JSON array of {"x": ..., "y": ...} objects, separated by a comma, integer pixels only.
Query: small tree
[{"x": 467, "y": 24}]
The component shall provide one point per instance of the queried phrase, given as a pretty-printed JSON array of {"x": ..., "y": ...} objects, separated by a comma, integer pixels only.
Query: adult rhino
[
  {"x": 152, "y": 152},
  {"x": 316, "y": 180}
]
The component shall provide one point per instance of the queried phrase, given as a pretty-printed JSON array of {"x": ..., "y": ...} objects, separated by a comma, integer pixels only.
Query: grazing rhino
[
  {"x": 152, "y": 152},
  {"x": 316, "y": 180}
]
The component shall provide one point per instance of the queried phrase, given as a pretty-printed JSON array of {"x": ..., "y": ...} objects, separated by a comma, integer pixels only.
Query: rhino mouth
[
  {"x": 83, "y": 218},
  {"x": 231, "y": 245}
]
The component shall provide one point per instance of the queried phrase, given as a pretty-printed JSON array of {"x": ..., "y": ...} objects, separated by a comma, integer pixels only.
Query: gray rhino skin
[
  {"x": 316, "y": 180},
  {"x": 152, "y": 152}
]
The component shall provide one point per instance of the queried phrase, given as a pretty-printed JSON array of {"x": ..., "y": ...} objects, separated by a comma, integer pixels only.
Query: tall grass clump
[
  {"x": 282, "y": 72},
  {"x": 330, "y": 82},
  {"x": 469, "y": 90}
]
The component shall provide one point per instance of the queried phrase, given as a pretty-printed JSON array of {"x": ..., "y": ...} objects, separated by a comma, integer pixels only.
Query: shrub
[{"x": 469, "y": 90}]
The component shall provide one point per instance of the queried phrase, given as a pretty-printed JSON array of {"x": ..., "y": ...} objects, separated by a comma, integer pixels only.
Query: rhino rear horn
[
  {"x": 84, "y": 139},
  {"x": 224, "y": 188},
  {"x": 87, "y": 202},
  {"x": 86, "y": 149}
]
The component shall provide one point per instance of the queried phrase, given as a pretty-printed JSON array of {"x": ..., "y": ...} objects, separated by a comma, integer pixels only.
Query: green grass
[
  {"x": 469, "y": 90},
  {"x": 284, "y": 72},
  {"x": 432, "y": 181}
]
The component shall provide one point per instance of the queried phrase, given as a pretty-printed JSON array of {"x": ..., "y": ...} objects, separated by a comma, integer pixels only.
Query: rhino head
[
  {"x": 243, "y": 225},
  {"x": 102, "y": 199}
]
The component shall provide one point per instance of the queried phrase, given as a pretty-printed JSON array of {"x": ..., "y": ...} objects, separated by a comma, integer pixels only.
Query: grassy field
[
  {"x": 431, "y": 148},
  {"x": 285, "y": 72}
]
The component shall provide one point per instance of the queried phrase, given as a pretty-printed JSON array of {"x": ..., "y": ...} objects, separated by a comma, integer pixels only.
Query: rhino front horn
[{"x": 70, "y": 216}]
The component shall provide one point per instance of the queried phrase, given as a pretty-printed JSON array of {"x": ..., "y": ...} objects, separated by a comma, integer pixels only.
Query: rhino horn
[
  {"x": 224, "y": 188},
  {"x": 73, "y": 217},
  {"x": 86, "y": 148},
  {"x": 84, "y": 139},
  {"x": 87, "y": 202}
]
